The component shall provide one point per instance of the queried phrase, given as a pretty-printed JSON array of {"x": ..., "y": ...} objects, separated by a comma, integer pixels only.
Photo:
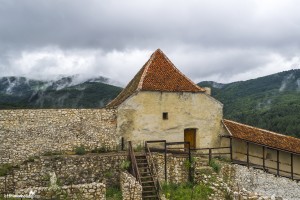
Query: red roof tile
[
  {"x": 262, "y": 137},
  {"x": 157, "y": 74}
]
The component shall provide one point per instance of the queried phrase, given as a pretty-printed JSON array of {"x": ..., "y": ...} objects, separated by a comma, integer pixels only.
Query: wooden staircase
[{"x": 147, "y": 180}]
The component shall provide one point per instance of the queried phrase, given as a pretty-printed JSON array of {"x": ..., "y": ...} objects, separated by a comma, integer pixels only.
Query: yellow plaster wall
[{"x": 140, "y": 117}]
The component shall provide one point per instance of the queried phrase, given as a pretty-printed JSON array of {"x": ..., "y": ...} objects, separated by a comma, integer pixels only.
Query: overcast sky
[{"x": 222, "y": 40}]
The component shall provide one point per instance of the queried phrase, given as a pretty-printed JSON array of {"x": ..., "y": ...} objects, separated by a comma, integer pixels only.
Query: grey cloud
[
  {"x": 207, "y": 38},
  {"x": 115, "y": 24}
]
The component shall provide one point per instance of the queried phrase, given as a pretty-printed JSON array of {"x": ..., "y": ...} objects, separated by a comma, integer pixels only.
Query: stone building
[{"x": 162, "y": 103}]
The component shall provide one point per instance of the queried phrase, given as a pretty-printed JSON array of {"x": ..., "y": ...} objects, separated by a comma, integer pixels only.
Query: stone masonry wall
[
  {"x": 177, "y": 169},
  {"x": 69, "y": 170},
  {"x": 257, "y": 181},
  {"x": 90, "y": 191},
  {"x": 131, "y": 189},
  {"x": 26, "y": 133}
]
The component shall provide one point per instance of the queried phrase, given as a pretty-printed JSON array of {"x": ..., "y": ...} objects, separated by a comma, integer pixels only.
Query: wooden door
[{"x": 190, "y": 136}]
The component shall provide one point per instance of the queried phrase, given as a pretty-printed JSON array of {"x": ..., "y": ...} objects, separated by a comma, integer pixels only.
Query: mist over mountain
[
  {"x": 270, "y": 102},
  {"x": 65, "y": 92}
]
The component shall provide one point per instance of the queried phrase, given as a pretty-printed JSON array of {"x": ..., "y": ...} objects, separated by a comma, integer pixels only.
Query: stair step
[
  {"x": 147, "y": 182},
  {"x": 150, "y": 196},
  {"x": 148, "y": 186},
  {"x": 146, "y": 176},
  {"x": 144, "y": 167},
  {"x": 149, "y": 191},
  {"x": 142, "y": 164},
  {"x": 145, "y": 173}
]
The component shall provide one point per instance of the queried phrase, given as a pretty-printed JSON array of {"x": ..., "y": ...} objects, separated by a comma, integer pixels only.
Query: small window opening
[{"x": 165, "y": 115}]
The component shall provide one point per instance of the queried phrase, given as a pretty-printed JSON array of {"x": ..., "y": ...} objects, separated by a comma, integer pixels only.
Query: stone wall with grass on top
[
  {"x": 69, "y": 170},
  {"x": 90, "y": 191},
  {"x": 131, "y": 188},
  {"x": 27, "y": 133}
]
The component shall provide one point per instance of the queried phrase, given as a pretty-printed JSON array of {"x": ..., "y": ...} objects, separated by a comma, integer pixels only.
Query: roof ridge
[
  {"x": 272, "y": 132},
  {"x": 226, "y": 127},
  {"x": 140, "y": 85},
  {"x": 202, "y": 89}
]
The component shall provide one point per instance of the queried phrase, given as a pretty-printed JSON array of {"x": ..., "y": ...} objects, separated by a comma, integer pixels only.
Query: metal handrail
[{"x": 134, "y": 166}]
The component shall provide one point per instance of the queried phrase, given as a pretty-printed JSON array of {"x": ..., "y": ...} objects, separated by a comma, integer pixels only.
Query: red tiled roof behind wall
[
  {"x": 263, "y": 137},
  {"x": 157, "y": 74}
]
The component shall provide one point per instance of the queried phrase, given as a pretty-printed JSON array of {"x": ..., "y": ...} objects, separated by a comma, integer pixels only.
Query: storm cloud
[{"x": 222, "y": 41}]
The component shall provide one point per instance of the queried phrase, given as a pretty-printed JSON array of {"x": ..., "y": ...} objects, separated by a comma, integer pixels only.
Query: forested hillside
[
  {"x": 271, "y": 102},
  {"x": 19, "y": 92}
]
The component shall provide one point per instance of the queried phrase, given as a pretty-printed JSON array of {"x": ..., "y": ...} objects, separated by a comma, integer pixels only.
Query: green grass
[
  {"x": 186, "y": 191},
  {"x": 80, "y": 150},
  {"x": 10, "y": 198},
  {"x": 5, "y": 169},
  {"x": 215, "y": 165},
  {"x": 113, "y": 193}
]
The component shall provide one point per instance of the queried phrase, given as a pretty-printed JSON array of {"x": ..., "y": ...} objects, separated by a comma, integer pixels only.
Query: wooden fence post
[
  {"x": 122, "y": 143},
  {"x": 165, "y": 162},
  {"x": 248, "y": 154},
  {"x": 190, "y": 161},
  {"x": 231, "y": 149},
  {"x": 209, "y": 155},
  {"x": 264, "y": 162},
  {"x": 277, "y": 162},
  {"x": 292, "y": 166}
]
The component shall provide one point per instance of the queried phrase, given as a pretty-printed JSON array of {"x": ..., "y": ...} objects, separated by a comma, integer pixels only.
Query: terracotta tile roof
[
  {"x": 262, "y": 137},
  {"x": 157, "y": 74}
]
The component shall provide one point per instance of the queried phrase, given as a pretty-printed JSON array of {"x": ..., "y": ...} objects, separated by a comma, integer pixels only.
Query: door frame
[{"x": 194, "y": 135}]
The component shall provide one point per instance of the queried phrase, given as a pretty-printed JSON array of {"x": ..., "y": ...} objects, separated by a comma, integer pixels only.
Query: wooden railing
[
  {"x": 211, "y": 152},
  {"x": 134, "y": 168},
  {"x": 152, "y": 167},
  {"x": 174, "y": 150},
  {"x": 264, "y": 166},
  {"x": 219, "y": 151}
]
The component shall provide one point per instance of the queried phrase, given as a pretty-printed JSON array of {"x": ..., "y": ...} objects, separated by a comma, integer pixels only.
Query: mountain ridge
[
  {"x": 271, "y": 102},
  {"x": 21, "y": 92}
]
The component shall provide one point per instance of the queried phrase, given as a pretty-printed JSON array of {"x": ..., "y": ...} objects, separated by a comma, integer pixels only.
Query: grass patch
[
  {"x": 138, "y": 148},
  {"x": 186, "y": 191},
  {"x": 215, "y": 165},
  {"x": 80, "y": 150},
  {"x": 7, "y": 198},
  {"x": 100, "y": 150},
  {"x": 52, "y": 153},
  {"x": 5, "y": 169},
  {"x": 113, "y": 193},
  {"x": 125, "y": 165},
  {"x": 30, "y": 159}
]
